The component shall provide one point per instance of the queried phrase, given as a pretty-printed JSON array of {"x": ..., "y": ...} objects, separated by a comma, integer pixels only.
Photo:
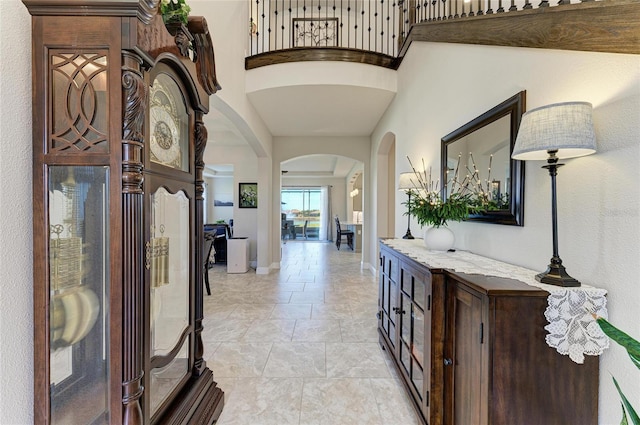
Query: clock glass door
[
  {"x": 169, "y": 276},
  {"x": 79, "y": 294}
]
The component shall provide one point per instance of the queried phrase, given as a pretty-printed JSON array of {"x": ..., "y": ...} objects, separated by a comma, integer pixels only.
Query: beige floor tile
[
  {"x": 263, "y": 401},
  {"x": 356, "y": 360},
  {"x": 393, "y": 405},
  {"x": 291, "y": 311},
  {"x": 296, "y": 359},
  {"x": 314, "y": 323},
  {"x": 307, "y": 297},
  {"x": 339, "y": 401},
  {"x": 225, "y": 330},
  {"x": 252, "y": 311},
  {"x": 239, "y": 360},
  {"x": 269, "y": 330},
  {"x": 331, "y": 311},
  {"x": 358, "y": 330},
  {"x": 317, "y": 330}
]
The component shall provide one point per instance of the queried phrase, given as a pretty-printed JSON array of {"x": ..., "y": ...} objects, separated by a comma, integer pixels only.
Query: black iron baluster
[
  {"x": 355, "y": 28},
  {"x": 393, "y": 37},
  {"x": 275, "y": 27},
  {"x": 290, "y": 21},
  {"x": 500, "y": 8},
  {"x": 513, "y": 7},
  {"x": 489, "y": 10},
  {"x": 527, "y": 5},
  {"x": 471, "y": 9},
  {"x": 480, "y": 12},
  {"x": 348, "y": 23},
  {"x": 262, "y": 38},
  {"x": 286, "y": 17},
  {"x": 375, "y": 29},
  {"x": 544, "y": 3},
  {"x": 455, "y": 15},
  {"x": 445, "y": 6},
  {"x": 464, "y": 14}
]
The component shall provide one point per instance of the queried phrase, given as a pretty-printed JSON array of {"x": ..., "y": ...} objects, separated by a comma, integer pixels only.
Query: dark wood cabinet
[
  {"x": 484, "y": 355},
  {"x": 118, "y": 138}
]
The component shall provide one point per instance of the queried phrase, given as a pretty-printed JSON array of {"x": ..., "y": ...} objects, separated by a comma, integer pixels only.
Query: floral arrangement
[
  {"x": 174, "y": 11},
  {"x": 467, "y": 196}
]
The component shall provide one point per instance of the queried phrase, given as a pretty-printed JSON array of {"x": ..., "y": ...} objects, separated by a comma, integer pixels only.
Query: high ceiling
[{"x": 309, "y": 111}]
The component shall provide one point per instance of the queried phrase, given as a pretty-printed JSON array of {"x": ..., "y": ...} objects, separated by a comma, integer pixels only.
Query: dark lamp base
[
  {"x": 408, "y": 235},
  {"x": 557, "y": 275}
]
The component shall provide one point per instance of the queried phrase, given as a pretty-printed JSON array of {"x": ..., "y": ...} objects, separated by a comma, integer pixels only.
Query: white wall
[
  {"x": 222, "y": 189},
  {"x": 16, "y": 280},
  {"x": 598, "y": 195},
  {"x": 245, "y": 170},
  {"x": 229, "y": 39}
]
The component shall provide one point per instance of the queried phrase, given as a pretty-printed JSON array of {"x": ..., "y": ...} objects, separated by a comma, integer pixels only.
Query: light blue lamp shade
[{"x": 565, "y": 127}]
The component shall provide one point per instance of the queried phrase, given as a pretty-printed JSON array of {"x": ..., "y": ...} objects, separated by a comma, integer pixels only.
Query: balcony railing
[
  {"x": 372, "y": 25},
  {"x": 339, "y": 29}
]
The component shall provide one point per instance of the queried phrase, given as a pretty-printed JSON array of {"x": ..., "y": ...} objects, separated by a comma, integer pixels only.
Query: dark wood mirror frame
[{"x": 513, "y": 107}]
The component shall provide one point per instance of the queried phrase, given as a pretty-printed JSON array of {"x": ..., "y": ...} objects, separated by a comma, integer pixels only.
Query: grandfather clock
[{"x": 118, "y": 138}]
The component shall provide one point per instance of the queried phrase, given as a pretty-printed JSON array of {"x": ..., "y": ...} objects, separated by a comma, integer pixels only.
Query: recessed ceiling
[
  {"x": 313, "y": 166},
  {"x": 321, "y": 110}
]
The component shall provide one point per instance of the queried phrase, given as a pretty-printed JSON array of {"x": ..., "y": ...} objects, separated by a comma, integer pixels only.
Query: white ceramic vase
[{"x": 439, "y": 238}]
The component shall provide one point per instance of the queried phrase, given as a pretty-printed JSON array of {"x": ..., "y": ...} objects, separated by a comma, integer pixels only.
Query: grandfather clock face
[{"x": 168, "y": 124}]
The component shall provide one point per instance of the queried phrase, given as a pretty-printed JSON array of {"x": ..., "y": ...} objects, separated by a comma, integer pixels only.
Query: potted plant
[
  {"x": 174, "y": 11},
  {"x": 429, "y": 205}
]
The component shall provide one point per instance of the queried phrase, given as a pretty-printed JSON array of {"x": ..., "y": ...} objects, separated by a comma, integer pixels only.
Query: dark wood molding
[
  {"x": 301, "y": 54},
  {"x": 140, "y": 8},
  {"x": 204, "y": 56},
  {"x": 599, "y": 26}
]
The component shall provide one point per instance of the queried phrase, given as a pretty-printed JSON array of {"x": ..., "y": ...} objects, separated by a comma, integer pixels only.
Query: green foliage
[
  {"x": 633, "y": 349},
  {"x": 174, "y": 11},
  {"x": 431, "y": 210},
  {"x": 466, "y": 197}
]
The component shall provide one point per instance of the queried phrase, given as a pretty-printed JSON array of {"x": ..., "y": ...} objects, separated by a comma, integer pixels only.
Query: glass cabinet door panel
[
  {"x": 169, "y": 270},
  {"x": 419, "y": 292},
  {"x": 79, "y": 293},
  {"x": 405, "y": 357},
  {"x": 417, "y": 348},
  {"x": 405, "y": 319},
  {"x": 417, "y": 379}
]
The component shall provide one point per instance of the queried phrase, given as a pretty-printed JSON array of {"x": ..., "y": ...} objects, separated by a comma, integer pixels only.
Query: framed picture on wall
[{"x": 248, "y": 195}]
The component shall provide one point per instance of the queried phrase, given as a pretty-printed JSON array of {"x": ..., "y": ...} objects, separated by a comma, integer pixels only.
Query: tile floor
[{"x": 300, "y": 345}]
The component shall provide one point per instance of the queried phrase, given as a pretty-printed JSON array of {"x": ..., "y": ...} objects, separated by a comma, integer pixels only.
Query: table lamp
[
  {"x": 405, "y": 184},
  {"x": 553, "y": 132}
]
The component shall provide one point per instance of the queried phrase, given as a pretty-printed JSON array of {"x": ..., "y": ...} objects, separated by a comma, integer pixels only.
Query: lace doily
[{"x": 572, "y": 330}]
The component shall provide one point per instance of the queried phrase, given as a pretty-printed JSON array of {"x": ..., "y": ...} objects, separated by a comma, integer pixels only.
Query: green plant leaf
[
  {"x": 629, "y": 343},
  {"x": 624, "y": 420},
  {"x": 635, "y": 419}
]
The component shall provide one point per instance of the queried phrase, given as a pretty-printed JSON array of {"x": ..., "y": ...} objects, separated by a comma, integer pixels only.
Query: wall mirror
[{"x": 484, "y": 144}]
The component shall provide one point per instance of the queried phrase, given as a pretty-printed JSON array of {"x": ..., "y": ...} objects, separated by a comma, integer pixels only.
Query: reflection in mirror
[{"x": 480, "y": 151}]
